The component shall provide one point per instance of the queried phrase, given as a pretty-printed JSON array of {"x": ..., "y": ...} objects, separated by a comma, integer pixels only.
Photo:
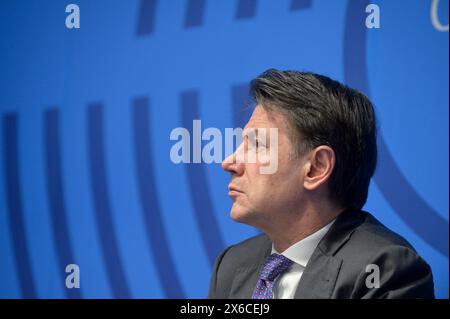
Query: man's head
[{"x": 326, "y": 147}]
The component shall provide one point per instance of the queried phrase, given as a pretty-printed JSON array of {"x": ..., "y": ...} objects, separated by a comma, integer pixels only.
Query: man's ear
[{"x": 319, "y": 167}]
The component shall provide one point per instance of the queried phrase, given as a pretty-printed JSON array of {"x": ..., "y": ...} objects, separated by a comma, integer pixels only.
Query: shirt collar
[{"x": 301, "y": 252}]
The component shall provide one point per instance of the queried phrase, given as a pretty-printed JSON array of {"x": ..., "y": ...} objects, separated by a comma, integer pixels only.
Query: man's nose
[{"x": 232, "y": 165}]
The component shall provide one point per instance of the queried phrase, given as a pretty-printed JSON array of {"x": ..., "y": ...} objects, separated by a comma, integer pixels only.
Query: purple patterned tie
[{"x": 275, "y": 265}]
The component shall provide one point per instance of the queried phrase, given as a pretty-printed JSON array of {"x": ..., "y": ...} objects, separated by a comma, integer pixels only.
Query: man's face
[{"x": 259, "y": 199}]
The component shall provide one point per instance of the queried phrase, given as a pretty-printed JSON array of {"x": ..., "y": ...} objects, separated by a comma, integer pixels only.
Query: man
[{"x": 316, "y": 241}]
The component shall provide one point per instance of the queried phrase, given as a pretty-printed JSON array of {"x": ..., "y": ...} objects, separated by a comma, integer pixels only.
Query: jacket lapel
[
  {"x": 244, "y": 282},
  {"x": 319, "y": 279}
]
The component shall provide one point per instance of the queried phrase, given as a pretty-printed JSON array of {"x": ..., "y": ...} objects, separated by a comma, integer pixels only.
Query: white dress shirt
[{"x": 300, "y": 253}]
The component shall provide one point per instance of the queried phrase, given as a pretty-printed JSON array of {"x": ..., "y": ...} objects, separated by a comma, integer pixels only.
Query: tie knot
[{"x": 274, "y": 266}]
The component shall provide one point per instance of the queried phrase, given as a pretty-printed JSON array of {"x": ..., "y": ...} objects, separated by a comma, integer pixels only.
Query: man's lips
[{"x": 234, "y": 190}]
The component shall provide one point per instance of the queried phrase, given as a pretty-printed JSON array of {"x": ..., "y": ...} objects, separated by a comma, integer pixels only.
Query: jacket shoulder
[
  {"x": 375, "y": 236},
  {"x": 247, "y": 253},
  {"x": 403, "y": 273}
]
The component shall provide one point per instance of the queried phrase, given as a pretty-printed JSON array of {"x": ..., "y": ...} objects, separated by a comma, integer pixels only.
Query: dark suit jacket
[{"x": 337, "y": 268}]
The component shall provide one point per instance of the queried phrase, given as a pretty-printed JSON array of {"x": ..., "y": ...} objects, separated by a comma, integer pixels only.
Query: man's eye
[{"x": 259, "y": 144}]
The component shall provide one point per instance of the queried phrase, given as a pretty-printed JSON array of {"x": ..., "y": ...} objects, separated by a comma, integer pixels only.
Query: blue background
[{"x": 86, "y": 114}]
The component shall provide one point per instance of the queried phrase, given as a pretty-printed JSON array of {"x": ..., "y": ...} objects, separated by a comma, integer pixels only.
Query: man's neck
[{"x": 290, "y": 231}]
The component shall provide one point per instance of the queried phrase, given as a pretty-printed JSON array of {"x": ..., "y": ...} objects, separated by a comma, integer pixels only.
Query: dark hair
[{"x": 321, "y": 111}]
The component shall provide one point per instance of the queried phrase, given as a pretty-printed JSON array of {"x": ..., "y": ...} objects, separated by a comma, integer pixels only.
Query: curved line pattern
[
  {"x": 408, "y": 204},
  {"x": 405, "y": 201},
  {"x": 150, "y": 205},
  {"x": 55, "y": 195},
  {"x": 246, "y": 9},
  {"x": 146, "y": 17},
  {"x": 198, "y": 186},
  {"x": 194, "y": 13},
  {"x": 300, "y": 4},
  {"x": 14, "y": 205},
  {"x": 103, "y": 214}
]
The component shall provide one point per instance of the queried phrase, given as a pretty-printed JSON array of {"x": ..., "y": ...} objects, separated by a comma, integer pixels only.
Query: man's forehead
[{"x": 261, "y": 118}]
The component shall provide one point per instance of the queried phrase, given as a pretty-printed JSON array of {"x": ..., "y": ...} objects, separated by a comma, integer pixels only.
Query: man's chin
[{"x": 240, "y": 215}]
